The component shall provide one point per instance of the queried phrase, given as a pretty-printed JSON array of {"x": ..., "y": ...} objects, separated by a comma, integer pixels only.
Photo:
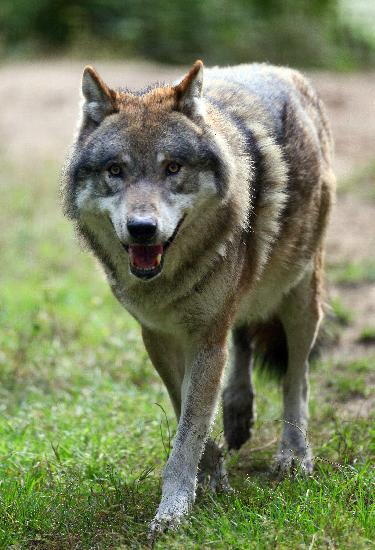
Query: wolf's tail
[{"x": 270, "y": 348}]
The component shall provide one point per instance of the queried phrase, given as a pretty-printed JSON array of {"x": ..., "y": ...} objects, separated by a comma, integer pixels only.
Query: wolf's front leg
[{"x": 199, "y": 397}]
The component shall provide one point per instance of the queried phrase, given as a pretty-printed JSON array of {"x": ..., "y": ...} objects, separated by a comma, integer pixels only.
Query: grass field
[{"x": 86, "y": 426}]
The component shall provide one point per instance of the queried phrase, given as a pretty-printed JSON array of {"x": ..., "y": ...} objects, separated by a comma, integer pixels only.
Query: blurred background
[
  {"x": 78, "y": 422},
  {"x": 333, "y": 34}
]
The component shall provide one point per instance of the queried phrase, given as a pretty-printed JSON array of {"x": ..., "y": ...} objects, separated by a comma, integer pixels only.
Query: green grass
[
  {"x": 352, "y": 273},
  {"x": 367, "y": 336},
  {"x": 83, "y": 440}
]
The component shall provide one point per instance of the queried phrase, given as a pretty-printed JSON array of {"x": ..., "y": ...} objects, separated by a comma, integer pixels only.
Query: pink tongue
[{"x": 145, "y": 257}]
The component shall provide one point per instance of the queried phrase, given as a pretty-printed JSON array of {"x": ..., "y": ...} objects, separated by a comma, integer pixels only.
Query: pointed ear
[
  {"x": 189, "y": 91},
  {"x": 99, "y": 100}
]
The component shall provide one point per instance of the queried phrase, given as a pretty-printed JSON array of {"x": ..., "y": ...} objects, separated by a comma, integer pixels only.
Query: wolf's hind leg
[
  {"x": 238, "y": 395},
  {"x": 300, "y": 314}
]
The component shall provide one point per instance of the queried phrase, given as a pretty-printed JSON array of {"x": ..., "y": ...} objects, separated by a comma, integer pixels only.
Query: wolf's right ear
[
  {"x": 189, "y": 91},
  {"x": 99, "y": 100}
]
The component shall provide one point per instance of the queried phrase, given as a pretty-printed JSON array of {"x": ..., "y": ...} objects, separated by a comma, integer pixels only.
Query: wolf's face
[{"x": 147, "y": 163}]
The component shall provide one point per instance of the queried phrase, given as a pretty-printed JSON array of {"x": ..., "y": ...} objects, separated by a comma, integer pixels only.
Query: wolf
[{"x": 206, "y": 201}]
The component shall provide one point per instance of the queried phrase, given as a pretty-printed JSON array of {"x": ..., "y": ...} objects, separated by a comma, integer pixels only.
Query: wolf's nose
[{"x": 142, "y": 229}]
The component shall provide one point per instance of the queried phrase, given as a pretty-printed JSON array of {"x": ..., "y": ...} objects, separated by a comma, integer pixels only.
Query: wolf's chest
[{"x": 165, "y": 310}]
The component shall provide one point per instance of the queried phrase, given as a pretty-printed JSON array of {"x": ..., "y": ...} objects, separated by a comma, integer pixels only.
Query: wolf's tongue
[{"x": 145, "y": 257}]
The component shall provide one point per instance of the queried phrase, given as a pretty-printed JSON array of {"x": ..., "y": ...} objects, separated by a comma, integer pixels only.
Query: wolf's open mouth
[{"x": 146, "y": 261}]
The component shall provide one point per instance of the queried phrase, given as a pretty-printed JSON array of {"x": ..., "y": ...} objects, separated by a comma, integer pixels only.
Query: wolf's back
[{"x": 279, "y": 93}]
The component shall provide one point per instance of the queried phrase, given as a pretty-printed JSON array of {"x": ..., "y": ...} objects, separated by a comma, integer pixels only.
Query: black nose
[{"x": 142, "y": 229}]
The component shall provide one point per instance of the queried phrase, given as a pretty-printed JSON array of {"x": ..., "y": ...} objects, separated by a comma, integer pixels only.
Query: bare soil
[{"x": 40, "y": 108}]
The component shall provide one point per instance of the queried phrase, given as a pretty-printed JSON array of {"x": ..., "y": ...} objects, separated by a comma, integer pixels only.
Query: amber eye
[
  {"x": 115, "y": 170},
  {"x": 173, "y": 168}
]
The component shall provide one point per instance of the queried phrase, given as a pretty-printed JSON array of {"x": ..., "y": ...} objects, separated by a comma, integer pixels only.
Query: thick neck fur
[{"x": 205, "y": 242}]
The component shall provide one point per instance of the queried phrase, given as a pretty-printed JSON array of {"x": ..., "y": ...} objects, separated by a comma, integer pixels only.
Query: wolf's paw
[
  {"x": 211, "y": 471},
  {"x": 238, "y": 420},
  {"x": 288, "y": 461},
  {"x": 160, "y": 524},
  {"x": 215, "y": 480},
  {"x": 171, "y": 511}
]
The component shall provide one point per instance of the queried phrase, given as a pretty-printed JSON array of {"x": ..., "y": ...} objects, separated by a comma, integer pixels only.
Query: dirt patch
[
  {"x": 356, "y": 408},
  {"x": 350, "y": 104},
  {"x": 351, "y": 235}
]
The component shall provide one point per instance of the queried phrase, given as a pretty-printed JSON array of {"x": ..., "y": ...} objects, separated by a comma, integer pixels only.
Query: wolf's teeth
[{"x": 157, "y": 260}]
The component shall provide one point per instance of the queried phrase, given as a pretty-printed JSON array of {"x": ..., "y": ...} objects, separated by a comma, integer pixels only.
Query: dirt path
[
  {"x": 40, "y": 107},
  {"x": 350, "y": 101}
]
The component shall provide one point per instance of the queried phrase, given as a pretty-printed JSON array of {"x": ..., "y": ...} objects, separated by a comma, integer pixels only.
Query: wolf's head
[{"x": 146, "y": 162}]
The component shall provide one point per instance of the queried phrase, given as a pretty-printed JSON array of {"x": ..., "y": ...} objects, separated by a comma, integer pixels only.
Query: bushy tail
[{"x": 270, "y": 348}]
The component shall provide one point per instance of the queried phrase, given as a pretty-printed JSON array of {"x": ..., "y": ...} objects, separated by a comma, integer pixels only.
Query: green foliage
[{"x": 304, "y": 33}]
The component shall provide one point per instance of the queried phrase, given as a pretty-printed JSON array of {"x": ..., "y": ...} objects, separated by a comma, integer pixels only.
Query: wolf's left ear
[
  {"x": 99, "y": 100},
  {"x": 189, "y": 91}
]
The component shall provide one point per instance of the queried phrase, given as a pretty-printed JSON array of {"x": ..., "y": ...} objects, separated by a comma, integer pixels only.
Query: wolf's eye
[
  {"x": 173, "y": 168},
  {"x": 115, "y": 170}
]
